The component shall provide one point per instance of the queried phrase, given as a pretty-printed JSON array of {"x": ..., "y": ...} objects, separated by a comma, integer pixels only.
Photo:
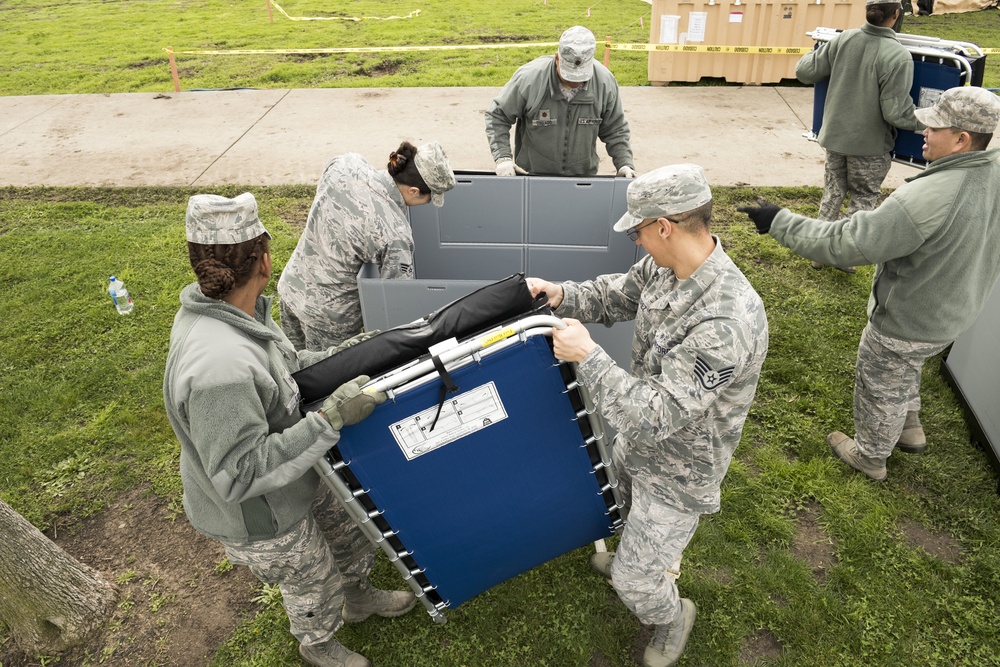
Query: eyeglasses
[{"x": 633, "y": 233}]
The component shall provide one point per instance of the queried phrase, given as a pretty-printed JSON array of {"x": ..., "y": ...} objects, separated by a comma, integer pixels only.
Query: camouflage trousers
[
  {"x": 886, "y": 387},
  {"x": 856, "y": 176},
  {"x": 316, "y": 336},
  {"x": 311, "y": 564},
  {"x": 648, "y": 560}
]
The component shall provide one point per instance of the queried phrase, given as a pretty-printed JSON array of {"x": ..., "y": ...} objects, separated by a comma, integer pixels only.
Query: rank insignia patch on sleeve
[{"x": 709, "y": 377}]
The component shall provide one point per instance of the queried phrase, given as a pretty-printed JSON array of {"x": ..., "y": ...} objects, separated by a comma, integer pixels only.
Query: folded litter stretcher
[{"x": 487, "y": 460}]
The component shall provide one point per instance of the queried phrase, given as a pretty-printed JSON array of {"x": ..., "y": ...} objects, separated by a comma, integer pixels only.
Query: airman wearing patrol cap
[
  {"x": 213, "y": 220},
  {"x": 664, "y": 192},
  {"x": 559, "y": 106},
  {"x": 935, "y": 242},
  {"x": 575, "y": 56},
  {"x": 968, "y": 108},
  {"x": 435, "y": 169},
  {"x": 247, "y": 451},
  {"x": 700, "y": 342},
  {"x": 358, "y": 216}
]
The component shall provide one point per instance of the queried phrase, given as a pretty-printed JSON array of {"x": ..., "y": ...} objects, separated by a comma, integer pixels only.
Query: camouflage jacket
[
  {"x": 358, "y": 216},
  {"x": 696, "y": 357}
]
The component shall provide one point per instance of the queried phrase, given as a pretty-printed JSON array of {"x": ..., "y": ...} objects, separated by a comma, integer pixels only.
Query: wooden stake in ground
[{"x": 48, "y": 600}]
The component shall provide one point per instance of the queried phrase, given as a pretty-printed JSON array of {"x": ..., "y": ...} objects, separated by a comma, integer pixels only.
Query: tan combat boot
[
  {"x": 912, "y": 440},
  {"x": 363, "y": 600},
  {"x": 669, "y": 641},
  {"x": 601, "y": 563},
  {"x": 847, "y": 451},
  {"x": 332, "y": 654}
]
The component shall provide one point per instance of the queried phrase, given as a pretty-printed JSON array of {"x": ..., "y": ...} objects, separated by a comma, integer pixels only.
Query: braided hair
[{"x": 221, "y": 268}]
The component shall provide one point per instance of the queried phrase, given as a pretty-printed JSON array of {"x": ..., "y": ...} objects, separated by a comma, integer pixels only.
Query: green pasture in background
[
  {"x": 116, "y": 46},
  {"x": 805, "y": 556}
]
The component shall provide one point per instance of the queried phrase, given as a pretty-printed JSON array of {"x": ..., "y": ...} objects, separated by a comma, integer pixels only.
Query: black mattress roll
[{"x": 485, "y": 308}]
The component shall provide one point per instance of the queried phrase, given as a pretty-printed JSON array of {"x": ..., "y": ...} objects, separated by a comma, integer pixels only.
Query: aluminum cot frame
[{"x": 471, "y": 357}]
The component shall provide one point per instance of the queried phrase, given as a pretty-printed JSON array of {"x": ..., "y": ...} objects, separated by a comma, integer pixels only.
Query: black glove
[{"x": 762, "y": 214}]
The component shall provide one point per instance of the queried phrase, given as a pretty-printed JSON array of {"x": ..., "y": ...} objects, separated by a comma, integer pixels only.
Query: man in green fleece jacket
[
  {"x": 560, "y": 106},
  {"x": 936, "y": 245},
  {"x": 870, "y": 74},
  {"x": 246, "y": 450}
]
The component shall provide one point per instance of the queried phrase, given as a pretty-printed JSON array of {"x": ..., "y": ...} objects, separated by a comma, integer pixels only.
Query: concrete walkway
[{"x": 740, "y": 135}]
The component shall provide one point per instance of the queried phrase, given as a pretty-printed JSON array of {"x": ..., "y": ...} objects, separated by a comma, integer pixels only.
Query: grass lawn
[
  {"x": 808, "y": 564},
  {"x": 116, "y": 46}
]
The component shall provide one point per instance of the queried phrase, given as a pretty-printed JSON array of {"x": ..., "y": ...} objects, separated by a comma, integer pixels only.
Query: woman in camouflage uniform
[{"x": 358, "y": 216}]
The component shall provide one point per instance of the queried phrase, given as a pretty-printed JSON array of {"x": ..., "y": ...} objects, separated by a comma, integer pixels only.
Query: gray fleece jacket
[
  {"x": 246, "y": 451},
  {"x": 870, "y": 75},
  {"x": 935, "y": 241}
]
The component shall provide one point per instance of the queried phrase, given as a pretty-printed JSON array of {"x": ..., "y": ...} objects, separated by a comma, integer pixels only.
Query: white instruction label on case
[{"x": 460, "y": 416}]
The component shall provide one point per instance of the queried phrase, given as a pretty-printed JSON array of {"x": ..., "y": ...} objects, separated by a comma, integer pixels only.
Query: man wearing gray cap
[
  {"x": 246, "y": 450},
  {"x": 358, "y": 216},
  {"x": 560, "y": 106},
  {"x": 935, "y": 242},
  {"x": 700, "y": 341},
  {"x": 868, "y": 97}
]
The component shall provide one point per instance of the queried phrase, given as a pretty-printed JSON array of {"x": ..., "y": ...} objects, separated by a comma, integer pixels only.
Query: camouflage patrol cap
[
  {"x": 576, "y": 54},
  {"x": 215, "y": 220},
  {"x": 676, "y": 188},
  {"x": 968, "y": 108},
  {"x": 434, "y": 168}
]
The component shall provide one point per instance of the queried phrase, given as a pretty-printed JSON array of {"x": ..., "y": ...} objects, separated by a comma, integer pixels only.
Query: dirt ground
[{"x": 174, "y": 608}]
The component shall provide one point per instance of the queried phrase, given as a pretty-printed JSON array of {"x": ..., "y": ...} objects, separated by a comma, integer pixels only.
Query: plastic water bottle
[{"x": 123, "y": 302}]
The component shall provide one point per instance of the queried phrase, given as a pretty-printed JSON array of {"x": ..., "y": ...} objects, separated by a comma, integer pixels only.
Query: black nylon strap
[{"x": 448, "y": 386}]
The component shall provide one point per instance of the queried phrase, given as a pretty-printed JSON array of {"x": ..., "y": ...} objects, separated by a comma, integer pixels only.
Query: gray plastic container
[{"x": 552, "y": 227}]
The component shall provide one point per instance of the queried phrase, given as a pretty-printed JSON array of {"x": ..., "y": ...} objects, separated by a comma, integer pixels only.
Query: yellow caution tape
[
  {"x": 362, "y": 49},
  {"x": 692, "y": 48},
  {"x": 342, "y": 18},
  {"x": 686, "y": 48}
]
